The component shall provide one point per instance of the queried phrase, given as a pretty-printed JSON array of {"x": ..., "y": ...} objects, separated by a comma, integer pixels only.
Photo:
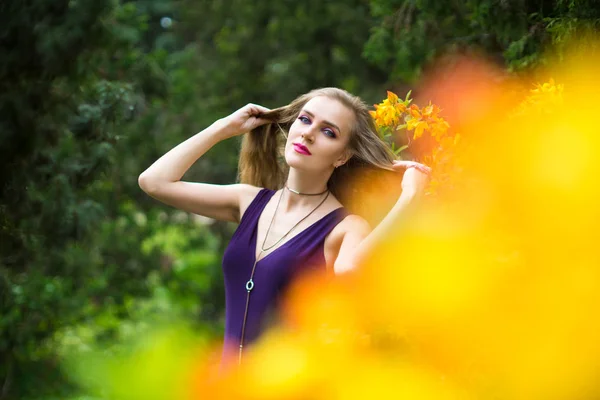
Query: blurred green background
[{"x": 93, "y": 91}]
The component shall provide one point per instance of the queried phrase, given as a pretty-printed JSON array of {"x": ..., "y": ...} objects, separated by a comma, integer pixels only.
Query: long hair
[{"x": 359, "y": 184}]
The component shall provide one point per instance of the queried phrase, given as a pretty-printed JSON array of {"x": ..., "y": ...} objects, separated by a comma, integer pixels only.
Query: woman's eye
[
  {"x": 305, "y": 120},
  {"x": 329, "y": 132}
]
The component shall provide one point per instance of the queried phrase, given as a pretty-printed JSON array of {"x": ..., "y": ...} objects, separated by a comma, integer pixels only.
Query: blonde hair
[{"x": 261, "y": 160}]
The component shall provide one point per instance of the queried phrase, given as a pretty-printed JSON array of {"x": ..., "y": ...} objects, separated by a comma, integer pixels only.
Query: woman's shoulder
[
  {"x": 248, "y": 193},
  {"x": 351, "y": 223},
  {"x": 354, "y": 222},
  {"x": 353, "y": 228}
]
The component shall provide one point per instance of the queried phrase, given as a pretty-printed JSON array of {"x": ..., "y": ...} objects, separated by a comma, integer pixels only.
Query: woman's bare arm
[
  {"x": 359, "y": 240},
  {"x": 162, "y": 180}
]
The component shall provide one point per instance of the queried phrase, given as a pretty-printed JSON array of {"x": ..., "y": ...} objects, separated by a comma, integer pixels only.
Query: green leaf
[{"x": 398, "y": 150}]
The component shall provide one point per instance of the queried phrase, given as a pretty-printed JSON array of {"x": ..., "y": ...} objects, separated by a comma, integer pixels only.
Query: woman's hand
[
  {"x": 245, "y": 119},
  {"x": 415, "y": 177}
]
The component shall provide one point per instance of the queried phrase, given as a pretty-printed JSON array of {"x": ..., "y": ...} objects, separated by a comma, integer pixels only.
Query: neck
[{"x": 303, "y": 182}]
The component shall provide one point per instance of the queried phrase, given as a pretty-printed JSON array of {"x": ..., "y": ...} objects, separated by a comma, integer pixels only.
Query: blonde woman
[{"x": 296, "y": 168}]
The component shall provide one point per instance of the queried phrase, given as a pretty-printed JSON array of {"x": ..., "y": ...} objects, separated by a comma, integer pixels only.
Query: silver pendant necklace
[{"x": 250, "y": 283}]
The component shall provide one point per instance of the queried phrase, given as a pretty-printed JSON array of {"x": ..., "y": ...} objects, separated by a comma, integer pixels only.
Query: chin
[
  {"x": 295, "y": 162},
  {"x": 298, "y": 161}
]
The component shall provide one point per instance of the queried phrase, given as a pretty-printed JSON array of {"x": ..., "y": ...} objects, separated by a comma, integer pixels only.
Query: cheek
[
  {"x": 295, "y": 129},
  {"x": 330, "y": 153}
]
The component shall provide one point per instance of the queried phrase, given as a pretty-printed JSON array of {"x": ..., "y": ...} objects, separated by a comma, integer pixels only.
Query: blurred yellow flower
[{"x": 545, "y": 98}]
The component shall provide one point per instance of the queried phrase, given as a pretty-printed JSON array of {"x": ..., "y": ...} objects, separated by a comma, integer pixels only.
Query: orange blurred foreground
[{"x": 491, "y": 292}]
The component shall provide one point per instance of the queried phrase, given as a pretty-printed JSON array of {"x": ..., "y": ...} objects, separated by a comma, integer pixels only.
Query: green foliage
[
  {"x": 155, "y": 365},
  {"x": 410, "y": 34},
  {"x": 61, "y": 106},
  {"x": 272, "y": 51}
]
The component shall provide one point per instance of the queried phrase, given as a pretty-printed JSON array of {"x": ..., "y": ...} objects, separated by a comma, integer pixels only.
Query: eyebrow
[{"x": 326, "y": 122}]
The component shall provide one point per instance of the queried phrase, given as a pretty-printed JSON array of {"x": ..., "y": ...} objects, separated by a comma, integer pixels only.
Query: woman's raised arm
[{"x": 162, "y": 180}]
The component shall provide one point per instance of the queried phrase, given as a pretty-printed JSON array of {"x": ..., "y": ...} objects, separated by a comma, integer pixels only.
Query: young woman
[{"x": 296, "y": 167}]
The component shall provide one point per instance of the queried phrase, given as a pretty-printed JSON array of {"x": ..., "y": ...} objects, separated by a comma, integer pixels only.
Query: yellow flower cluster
[
  {"x": 396, "y": 114},
  {"x": 426, "y": 119},
  {"x": 549, "y": 88},
  {"x": 544, "y": 98},
  {"x": 388, "y": 112},
  {"x": 393, "y": 115}
]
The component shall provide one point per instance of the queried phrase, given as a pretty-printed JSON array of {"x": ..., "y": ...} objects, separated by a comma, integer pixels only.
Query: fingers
[
  {"x": 412, "y": 164},
  {"x": 256, "y": 110},
  {"x": 423, "y": 168},
  {"x": 262, "y": 109}
]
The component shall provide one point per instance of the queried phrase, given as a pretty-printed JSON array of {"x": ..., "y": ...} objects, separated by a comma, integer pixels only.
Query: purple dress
[{"x": 304, "y": 252}]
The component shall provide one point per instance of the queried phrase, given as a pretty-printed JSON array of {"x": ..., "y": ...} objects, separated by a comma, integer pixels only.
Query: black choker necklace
[{"x": 305, "y": 194}]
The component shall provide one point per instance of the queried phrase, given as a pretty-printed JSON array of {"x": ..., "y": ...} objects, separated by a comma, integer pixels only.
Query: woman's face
[{"x": 319, "y": 137}]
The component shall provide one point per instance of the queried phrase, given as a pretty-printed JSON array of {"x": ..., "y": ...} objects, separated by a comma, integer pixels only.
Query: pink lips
[{"x": 301, "y": 149}]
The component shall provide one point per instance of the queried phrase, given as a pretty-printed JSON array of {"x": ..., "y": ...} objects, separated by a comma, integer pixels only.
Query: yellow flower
[
  {"x": 428, "y": 111},
  {"x": 426, "y": 119},
  {"x": 388, "y": 112},
  {"x": 400, "y": 108},
  {"x": 418, "y": 125},
  {"x": 392, "y": 97},
  {"x": 414, "y": 111},
  {"x": 545, "y": 98},
  {"x": 439, "y": 128}
]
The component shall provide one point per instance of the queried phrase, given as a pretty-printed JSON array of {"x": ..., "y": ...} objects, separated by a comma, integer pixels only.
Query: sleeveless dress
[{"x": 302, "y": 253}]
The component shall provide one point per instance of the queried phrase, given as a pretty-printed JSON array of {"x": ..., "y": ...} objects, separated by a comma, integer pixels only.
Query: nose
[{"x": 308, "y": 135}]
